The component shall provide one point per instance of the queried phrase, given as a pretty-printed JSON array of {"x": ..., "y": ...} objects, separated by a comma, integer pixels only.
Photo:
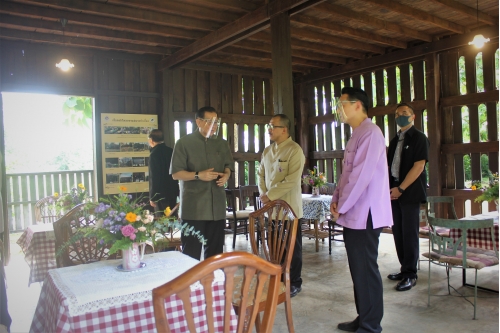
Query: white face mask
[{"x": 210, "y": 127}]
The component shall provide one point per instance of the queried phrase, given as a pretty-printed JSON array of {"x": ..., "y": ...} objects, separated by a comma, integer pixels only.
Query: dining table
[
  {"x": 101, "y": 297},
  {"x": 479, "y": 238},
  {"x": 38, "y": 244},
  {"x": 316, "y": 208}
]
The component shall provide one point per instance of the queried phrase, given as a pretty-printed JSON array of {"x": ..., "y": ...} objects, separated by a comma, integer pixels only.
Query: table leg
[{"x": 316, "y": 235}]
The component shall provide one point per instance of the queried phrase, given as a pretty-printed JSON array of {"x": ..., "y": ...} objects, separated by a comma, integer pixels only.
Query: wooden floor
[{"x": 326, "y": 298}]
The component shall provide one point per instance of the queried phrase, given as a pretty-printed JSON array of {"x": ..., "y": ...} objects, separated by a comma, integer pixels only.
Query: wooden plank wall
[
  {"x": 244, "y": 104},
  {"x": 119, "y": 82},
  {"x": 327, "y": 139}
]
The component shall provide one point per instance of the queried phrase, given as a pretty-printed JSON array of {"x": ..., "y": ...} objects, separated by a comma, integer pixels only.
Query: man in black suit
[{"x": 163, "y": 189}]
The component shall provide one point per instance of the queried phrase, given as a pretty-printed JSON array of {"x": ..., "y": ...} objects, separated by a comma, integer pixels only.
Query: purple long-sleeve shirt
[{"x": 364, "y": 183}]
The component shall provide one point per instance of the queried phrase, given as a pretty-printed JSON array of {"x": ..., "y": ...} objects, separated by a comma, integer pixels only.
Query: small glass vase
[
  {"x": 131, "y": 258},
  {"x": 315, "y": 191}
]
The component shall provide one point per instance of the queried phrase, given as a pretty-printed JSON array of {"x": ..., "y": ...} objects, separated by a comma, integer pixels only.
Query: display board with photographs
[{"x": 125, "y": 151}]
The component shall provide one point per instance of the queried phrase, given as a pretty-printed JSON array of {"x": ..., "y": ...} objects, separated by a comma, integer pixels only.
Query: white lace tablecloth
[{"x": 100, "y": 285}]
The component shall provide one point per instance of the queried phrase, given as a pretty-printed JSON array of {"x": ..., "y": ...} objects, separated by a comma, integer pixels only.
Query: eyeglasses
[
  {"x": 271, "y": 126},
  {"x": 207, "y": 120}
]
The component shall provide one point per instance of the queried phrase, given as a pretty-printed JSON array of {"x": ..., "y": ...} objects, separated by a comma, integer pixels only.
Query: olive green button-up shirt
[{"x": 200, "y": 200}]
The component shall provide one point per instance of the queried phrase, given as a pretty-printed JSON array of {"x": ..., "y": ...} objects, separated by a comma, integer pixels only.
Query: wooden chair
[
  {"x": 247, "y": 200},
  {"x": 82, "y": 251},
  {"x": 448, "y": 252},
  {"x": 276, "y": 225},
  {"x": 328, "y": 189},
  {"x": 257, "y": 273},
  {"x": 238, "y": 219},
  {"x": 45, "y": 211}
]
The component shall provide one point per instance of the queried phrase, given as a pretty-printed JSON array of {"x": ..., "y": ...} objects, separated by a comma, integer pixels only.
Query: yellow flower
[
  {"x": 473, "y": 187},
  {"x": 81, "y": 186},
  {"x": 123, "y": 188},
  {"x": 56, "y": 194},
  {"x": 131, "y": 217},
  {"x": 168, "y": 211}
]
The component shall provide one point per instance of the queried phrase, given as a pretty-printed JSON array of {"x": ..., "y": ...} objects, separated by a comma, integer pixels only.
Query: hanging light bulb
[
  {"x": 478, "y": 41},
  {"x": 65, "y": 65}
]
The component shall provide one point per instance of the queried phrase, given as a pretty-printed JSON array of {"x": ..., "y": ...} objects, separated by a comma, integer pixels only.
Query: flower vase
[
  {"x": 131, "y": 258},
  {"x": 315, "y": 191}
]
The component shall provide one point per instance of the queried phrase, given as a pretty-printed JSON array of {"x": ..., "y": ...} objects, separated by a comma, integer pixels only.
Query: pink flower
[{"x": 129, "y": 231}]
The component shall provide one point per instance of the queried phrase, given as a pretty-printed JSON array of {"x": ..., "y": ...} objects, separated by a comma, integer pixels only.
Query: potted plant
[
  {"x": 315, "y": 179},
  {"x": 491, "y": 192}
]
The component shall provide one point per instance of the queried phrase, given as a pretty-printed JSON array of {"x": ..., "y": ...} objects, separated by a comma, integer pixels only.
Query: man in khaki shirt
[{"x": 280, "y": 175}]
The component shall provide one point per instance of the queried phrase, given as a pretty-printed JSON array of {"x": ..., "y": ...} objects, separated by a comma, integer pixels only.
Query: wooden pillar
[
  {"x": 282, "y": 67},
  {"x": 167, "y": 125},
  {"x": 433, "y": 123},
  {"x": 303, "y": 136}
]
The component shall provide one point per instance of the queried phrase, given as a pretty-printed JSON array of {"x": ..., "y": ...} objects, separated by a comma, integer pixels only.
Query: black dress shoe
[
  {"x": 406, "y": 284},
  {"x": 351, "y": 326},
  {"x": 395, "y": 276},
  {"x": 294, "y": 291}
]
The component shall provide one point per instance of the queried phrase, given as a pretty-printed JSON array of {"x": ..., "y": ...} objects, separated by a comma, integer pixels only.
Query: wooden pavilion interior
[{"x": 252, "y": 58}]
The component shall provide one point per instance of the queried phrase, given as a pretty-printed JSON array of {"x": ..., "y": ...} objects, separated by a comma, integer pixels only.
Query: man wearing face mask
[
  {"x": 407, "y": 155},
  {"x": 202, "y": 162}
]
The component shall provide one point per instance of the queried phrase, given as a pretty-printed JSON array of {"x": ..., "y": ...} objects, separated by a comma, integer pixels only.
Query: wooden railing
[{"x": 25, "y": 189}]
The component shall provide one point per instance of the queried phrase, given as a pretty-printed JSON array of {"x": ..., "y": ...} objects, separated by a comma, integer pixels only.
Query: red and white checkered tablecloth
[
  {"x": 53, "y": 315},
  {"x": 479, "y": 238},
  {"x": 38, "y": 244}
]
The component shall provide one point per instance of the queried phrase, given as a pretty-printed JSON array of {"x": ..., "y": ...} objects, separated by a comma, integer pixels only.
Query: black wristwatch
[
  {"x": 196, "y": 175},
  {"x": 400, "y": 190}
]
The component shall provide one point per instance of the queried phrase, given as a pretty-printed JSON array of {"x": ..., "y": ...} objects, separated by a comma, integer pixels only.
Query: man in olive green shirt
[
  {"x": 280, "y": 175},
  {"x": 202, "y": 162}
]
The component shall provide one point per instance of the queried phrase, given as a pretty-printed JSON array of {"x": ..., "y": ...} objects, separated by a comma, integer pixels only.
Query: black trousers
[
  {"x": 405, "y": 231},
  {"x": 362, "y": 253},
  {"x": 212, "y": 231},
  {"x": 296, "y": 265}
]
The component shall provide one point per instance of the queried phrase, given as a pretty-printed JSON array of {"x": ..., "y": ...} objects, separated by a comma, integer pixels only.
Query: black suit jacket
[
  {"x": 162, "y": 187},
  {"x": 415, "y": 148}
]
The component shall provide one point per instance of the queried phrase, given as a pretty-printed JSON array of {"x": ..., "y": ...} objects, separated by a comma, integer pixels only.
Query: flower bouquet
[
  {"x": 66, "y": 201},
  {"x": 315, "y": 179},
  {"x": 490, "y": 193}
]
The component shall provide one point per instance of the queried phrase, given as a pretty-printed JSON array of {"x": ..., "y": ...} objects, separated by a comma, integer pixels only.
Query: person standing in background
[
  {"x": 163, "y": 189},
  {"x": 407, "y": 155}
]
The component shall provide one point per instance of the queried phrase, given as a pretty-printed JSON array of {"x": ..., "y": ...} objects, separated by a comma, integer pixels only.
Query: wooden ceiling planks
[{"x": 325, "y": 34}]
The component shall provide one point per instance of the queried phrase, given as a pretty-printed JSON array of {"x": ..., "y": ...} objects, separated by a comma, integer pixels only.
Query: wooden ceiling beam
[
  {"x": 335, "y": 27},
  {"x": 96, "y": 20},
  {"x": 180, "y": 8},
  {"x": 81, "y": 42},
  {"x": 345, "y": 12},
  {"x": 232, "y": 32},
  {"x": 397, "y": 57},
  {"x": 135, "y": 14},
  {"x": 223, "y": 68},
  {"x": 419, "y": 15},
  {"x": 469, "y": 11},
  {"x": 309, "y": 46},
  {"x": 335, "y": 40},
  {"x": 262, "y": 46},
  {"x": 263, "y": 55},
  {"x": 76, "y": 30},
  {"x": 227, "y": 4}
]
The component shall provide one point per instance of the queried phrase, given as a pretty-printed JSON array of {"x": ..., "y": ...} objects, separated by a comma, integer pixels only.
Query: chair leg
[
  {"x": 330, "y": 237},
  {"x": 288, "y": 312},
  {"x": 475, "y": 294},
  {"x": 448, "y": 277},
  {"x": 234, "y": 233},
  {"x": 429, "y": 285}
]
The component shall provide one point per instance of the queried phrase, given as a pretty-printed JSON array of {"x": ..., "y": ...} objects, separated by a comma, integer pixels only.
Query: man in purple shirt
[{"x": 361, "y": 203}]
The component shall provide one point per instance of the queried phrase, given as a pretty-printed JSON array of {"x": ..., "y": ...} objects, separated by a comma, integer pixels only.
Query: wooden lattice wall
[
  {"x": 326, "y": 140},
  {"x": 244, "y": 103}
]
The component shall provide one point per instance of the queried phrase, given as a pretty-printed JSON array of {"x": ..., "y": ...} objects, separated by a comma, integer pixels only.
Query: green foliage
[
  {"x": 491, "y": 193},
  {"x": 78, "y": 110}
]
